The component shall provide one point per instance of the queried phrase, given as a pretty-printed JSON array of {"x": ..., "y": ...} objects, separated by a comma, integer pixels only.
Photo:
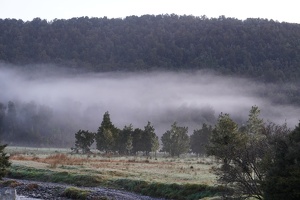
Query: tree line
[
  {"x": 111, "y": 139},
  {"x": 129, "y": 141}
]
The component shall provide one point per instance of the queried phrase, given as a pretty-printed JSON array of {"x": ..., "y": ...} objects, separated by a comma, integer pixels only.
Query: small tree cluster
[{"x": 127, "y": 140}]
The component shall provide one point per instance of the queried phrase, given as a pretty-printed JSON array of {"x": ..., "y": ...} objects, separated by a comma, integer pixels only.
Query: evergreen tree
[
  {"x": 176, "y": 141},
  {"x": 137, "y": 140},
  {"x": 107, "y": 135},
  {"x": 254, "y": 124},
  {"x": 151, "y": 142},
  {"x": 225, "y": 141},
  {"x": 124, "y": 142},
  {"x": 199, "y": 139},
  {"x": 83, "y": 140}
]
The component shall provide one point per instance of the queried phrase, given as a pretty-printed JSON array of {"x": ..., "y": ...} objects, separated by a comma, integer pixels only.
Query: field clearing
[{"x": 191, "y": 170}]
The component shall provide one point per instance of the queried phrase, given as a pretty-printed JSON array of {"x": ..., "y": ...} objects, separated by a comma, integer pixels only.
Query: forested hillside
[{"x": 267, "y": 50}]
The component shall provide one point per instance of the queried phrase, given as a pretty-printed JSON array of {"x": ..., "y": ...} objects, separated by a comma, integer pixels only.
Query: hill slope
[{"x": 258, "y": 48}]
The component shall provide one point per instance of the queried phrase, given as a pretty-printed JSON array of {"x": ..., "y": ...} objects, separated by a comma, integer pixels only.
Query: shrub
[{"x": 75, "y": 193}]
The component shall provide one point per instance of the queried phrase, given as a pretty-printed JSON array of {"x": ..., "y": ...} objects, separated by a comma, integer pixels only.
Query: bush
[{"x": 4, "y": 161}]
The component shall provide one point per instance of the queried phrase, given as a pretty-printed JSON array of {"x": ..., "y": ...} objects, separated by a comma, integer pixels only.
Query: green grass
[
  {"x": 22, "y": 172},
  {"x": 171, "y": 191}
]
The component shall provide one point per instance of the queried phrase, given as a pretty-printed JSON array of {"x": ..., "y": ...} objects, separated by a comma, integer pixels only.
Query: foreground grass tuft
[{"x": 76, "y": 193}]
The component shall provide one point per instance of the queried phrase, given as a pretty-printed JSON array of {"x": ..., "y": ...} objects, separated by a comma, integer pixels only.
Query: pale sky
[{"x": 280, "y": 10}]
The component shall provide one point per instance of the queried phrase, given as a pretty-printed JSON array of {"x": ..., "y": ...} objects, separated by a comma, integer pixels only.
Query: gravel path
[{"x": 53, "y": 191}]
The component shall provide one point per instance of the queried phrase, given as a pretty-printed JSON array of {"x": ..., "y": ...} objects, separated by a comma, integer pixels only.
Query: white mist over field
[{"x": 136, "y": 98}]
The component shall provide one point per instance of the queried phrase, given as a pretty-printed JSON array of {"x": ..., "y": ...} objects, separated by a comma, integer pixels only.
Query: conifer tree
[
  {"x": 176, "y": 141},
  {"x": 107, "y": 135}
]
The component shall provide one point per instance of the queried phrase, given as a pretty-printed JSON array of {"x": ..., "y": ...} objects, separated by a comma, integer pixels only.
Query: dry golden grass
[{"x": 55, "y": 159}]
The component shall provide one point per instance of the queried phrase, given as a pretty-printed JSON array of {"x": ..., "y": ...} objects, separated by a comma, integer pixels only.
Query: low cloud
[{"x": 190, "y": 98}]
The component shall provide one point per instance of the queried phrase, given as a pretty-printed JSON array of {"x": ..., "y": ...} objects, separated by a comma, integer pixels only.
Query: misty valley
[
  {"x": 149, "y": 118},
  {"x": 150, "y": 107}
]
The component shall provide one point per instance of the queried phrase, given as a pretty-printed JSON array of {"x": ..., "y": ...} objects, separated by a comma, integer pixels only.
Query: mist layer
[{"x": 162, "y": 98}]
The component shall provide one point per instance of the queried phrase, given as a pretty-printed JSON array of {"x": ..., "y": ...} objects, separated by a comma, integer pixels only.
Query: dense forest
[{"x": 260, "y": 48}]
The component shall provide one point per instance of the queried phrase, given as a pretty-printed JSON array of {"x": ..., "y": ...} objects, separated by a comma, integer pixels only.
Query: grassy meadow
[{"x": 145, "y": 175}]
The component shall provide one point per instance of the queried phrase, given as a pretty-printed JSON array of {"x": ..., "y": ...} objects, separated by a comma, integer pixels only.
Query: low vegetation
[
  {"x": 172, "y": 190},
  {"x": 176, "y": 178}
]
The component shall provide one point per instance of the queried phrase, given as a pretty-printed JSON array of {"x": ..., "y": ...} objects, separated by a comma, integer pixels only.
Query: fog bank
[{"x": 190, "y": 98}]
